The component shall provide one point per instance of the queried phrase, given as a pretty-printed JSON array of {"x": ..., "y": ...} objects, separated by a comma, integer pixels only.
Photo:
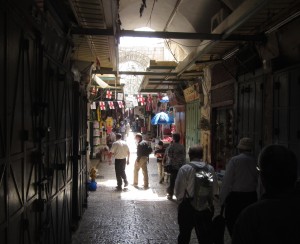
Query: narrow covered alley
[{"x": 76, "y": 73}]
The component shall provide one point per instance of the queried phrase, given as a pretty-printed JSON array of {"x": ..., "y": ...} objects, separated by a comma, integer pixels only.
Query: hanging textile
[
  {"x": 142, "y": 101},
  {"x": 98, "y": 114},
  {"x": 93, "y": 105},
  {"x": 108, "y": 94},
  {"x": 121, "y": 105},
  {"x": 111, "y": 105},
  {"x": 140, "y": 97},
  {"x": 102, "y": 105},
  {"x": 149, "y": 103}
]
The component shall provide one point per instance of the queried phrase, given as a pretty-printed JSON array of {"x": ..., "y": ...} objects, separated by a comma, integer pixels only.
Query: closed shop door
[
  {"x": 286, "y": 110},
  {"x": 222, "y": 136},
  {"x": 37, "y": 135},
  {"x": 250, "y": 109},
  {"x": 192, "y": 124}
]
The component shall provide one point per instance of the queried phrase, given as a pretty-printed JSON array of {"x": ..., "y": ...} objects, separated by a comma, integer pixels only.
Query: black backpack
[{"x": 147, "y": 149}]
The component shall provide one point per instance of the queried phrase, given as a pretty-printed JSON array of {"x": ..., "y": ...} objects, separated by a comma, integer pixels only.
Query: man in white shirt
[
  {"x": 120, "y": 151},
  {"x": 188, "y": 216},
  {"x": 239, "y": 184}
]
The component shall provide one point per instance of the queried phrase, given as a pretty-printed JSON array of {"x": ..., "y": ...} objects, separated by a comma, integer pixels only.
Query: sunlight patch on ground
[
  {"x": 141, "y": 195},
  {"x": 108, "y": 183},
  {"x": 132, "y": 193}
]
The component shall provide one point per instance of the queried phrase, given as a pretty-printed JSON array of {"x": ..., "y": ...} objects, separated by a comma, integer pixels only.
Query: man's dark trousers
[
  {"x": 120, "y": 165},
  {"x": 173, "y": 175},
  {"x": 235, "y": 203},
  {"x": 189, "y": 218}
]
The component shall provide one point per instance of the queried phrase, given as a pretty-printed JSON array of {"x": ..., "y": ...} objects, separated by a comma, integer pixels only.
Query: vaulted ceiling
[{"x": 208, "y": 30}]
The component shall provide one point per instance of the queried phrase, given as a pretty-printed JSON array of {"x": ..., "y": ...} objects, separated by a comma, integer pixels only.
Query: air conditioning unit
[{"x": 218, "y": 19}]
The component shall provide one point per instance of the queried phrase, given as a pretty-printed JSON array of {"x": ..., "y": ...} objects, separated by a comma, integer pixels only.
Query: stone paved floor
[{"x": 134, "y": 215}]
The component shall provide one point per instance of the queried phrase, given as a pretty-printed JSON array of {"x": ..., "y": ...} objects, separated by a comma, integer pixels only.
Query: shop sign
[{"x": 191, "y": 93}]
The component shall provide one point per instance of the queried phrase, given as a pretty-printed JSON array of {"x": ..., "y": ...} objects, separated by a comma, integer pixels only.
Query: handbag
[{"x": 218, "y": 227}]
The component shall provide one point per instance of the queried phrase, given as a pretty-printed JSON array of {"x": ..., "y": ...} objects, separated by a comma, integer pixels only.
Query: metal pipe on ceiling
[
  {"x": 134, "y": 73},
  {"x": 164, "y": 83},
  {"x": 191, "y": 36},
  {"x": 166, "y": 35},
  {"x": 162, "y": 79},
  {"x": 154, "y": 90}
]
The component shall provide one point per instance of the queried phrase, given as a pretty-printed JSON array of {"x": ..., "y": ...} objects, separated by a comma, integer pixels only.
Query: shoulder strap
[{"x": 198, "y": 167}]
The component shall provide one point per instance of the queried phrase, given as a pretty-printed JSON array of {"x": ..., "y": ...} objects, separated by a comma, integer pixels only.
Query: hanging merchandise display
[
  {"x": 108, "y": 94},
  {"x": 121, "y": 105},
  {"x": 98, "y": 114},
  {"x": 120, "y": 96},
  {"x": 149, "y": 103},
  {"x": 142, "y": 101},
  {"x": 102, "y": 105},
  {"x": 154, "y": 104},
  {"x": 139, "y": 97},
  {"x": 109, "y": 124},
  {"x": 93, "y": 105},
  {"x": 111, "y": 105}
]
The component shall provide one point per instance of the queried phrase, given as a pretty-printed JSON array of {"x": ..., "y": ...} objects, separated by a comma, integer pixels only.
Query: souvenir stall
[{"x": 105, "y": 116}]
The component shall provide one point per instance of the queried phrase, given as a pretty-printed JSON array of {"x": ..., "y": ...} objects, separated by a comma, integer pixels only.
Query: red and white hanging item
[
  {"x": 121, "y": 105},
  {"x": 102, "y": 105},
  {"x": 159, "y": 95},
  {"x": 149, "y": 98},
  {"x": 140, "y": 97},
  {"x": 108, "y": 94},
  {"x": 142, "y": 101},
  {"x": 149, "y": 103},
  {"x": 111, "y": 105}
]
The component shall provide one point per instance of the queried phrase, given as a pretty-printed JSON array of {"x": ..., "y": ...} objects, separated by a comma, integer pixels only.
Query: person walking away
[
  {"x": 159, "y": 154},
  {"x": 275, "y": 218},
  {"x": 127, "y": 129},
  {"x": 122, "y": 129},
  {"x": 141, "y": 161},
  {"x": 175, "y": 158},
  {"x": 193, "y": 214},
  {"x": 239, "y": 184},
  {"x": 120, "y": 151},
  {"x": 111, "y": 138}
]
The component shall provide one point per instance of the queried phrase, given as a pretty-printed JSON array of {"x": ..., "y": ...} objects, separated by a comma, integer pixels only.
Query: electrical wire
[
  {"x": 149, "y": 20},
  {"x": 168, "y": 46}
]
